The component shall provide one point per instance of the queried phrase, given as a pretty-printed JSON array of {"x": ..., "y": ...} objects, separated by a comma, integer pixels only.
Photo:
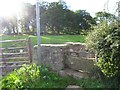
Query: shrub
[
  {"x": 104, "y": 40},
  {"x": 22, "y": 78}
]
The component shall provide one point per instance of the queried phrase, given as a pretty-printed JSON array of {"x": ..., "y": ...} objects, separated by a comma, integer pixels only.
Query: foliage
[
  {"x": 101, "y": 16},
  {"x": 85, "y": 19},
  {"x": 105, "y": 41},
  {"x": 27, "y": 18},
  {"x": 56, "y": 18},
  {"x": 22, "y": 77},
  {"x": 61, "y": 20},
  {"x": 9, "y": 24},
  {"x": 34, "y": 76}
]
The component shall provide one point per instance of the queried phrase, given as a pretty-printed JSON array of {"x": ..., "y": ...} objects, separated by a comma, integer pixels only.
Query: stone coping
[{"x": 61, "y": 45}]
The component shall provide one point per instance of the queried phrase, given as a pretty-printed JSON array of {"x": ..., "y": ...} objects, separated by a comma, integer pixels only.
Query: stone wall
[
  {"x": 50, "y": 55},
  {"x": 60, "y": 56}
]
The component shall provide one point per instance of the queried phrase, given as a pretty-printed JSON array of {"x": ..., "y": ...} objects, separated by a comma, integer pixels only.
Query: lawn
[{"x": 47, "y": 39}]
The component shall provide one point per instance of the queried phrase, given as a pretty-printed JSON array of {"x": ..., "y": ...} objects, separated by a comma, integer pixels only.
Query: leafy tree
[
  {"x": 101, "y": 16},
  {"x": 55, "y": 17},
  {"x": 85, "y": 21},
  {"x": 27, "y": 17},
  {"x": 13, "y": 24},
  {"x": 4, "y": 26},
  {"x": 61, "y": 20},
  {"x": 43, "y": 17},
  {"x": 9, "y": 25}
]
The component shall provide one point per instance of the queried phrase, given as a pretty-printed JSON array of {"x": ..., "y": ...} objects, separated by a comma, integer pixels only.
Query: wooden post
[{"x": 30, "y": 49}]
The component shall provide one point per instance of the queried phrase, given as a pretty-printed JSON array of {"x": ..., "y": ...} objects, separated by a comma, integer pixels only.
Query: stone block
[
  {"x": 52, "y": 56},
  {"x": 76, "y": 63},
  {"x": 73, "y": 87}
]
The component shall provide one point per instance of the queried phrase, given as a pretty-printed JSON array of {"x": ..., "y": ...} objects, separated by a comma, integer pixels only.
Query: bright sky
[{"x": 92, "y": 6}]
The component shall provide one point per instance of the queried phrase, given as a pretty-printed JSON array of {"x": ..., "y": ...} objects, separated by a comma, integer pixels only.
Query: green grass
[
  {"x": 33, "y": 76},
  {"x": 47, "y": 39}
]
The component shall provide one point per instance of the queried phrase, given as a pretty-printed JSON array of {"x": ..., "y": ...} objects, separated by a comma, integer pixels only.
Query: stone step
[
  {"x": 73, "y": 87},
  {"x": 74, "y": 74},
  {"x": 14, "y": 63},
  {"x": 5, "y": 69}
]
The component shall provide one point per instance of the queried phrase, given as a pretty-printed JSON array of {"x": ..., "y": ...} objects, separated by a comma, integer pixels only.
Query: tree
[
  {"x": 72, "y": 22},
  {"x": 27, "y": 17},
  {"x": 101, "y": 16},
  {"x": 55, "y": 15},
  {"x": 55, "y": 18},
  {"x": 9, "y": 25},
  {"x": 4, "y": 26},
  {"x": 43, "y": 17},
  {"x": 85, "y": 19},
  {"x": 61, "y": 20},
  {"x": 13, "y": 24}
]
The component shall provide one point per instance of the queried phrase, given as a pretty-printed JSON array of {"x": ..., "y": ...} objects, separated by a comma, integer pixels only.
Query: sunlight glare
[{"x": 9, "y": 7}]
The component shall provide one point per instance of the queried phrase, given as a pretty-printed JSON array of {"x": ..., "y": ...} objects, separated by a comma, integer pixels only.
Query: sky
[{"x": 92, "y": 6}]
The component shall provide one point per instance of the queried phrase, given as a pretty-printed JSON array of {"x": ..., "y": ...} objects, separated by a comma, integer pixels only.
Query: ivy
[{"x": 105, "y": 41}]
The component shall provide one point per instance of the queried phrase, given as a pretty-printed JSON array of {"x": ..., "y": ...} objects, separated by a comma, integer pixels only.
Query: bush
[
  {"x": 104, "y": 40},
  {"x": 23, "y": 77}
]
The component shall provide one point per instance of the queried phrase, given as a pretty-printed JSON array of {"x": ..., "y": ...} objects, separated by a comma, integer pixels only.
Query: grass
[
  {"x": 47, "y": 39},
  {"x": 56, "y": 81},
  {"x": 33, "y": 76}
]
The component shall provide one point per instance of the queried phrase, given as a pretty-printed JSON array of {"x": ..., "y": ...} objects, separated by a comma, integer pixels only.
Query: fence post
[{"x": 30, "y": 49}]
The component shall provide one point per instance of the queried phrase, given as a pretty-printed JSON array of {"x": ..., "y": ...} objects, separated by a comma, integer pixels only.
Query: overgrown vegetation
[
  {"x": 34, "y": 76},
  {"x": 105, "y": 41}
]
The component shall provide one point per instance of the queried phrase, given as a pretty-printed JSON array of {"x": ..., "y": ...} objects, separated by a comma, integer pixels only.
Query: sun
[{"x": 9, "y": 7}]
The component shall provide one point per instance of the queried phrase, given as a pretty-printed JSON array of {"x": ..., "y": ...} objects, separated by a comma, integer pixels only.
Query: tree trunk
[
  {"x": 13, "y": 28},
  {"x": 27, "y": 29}
]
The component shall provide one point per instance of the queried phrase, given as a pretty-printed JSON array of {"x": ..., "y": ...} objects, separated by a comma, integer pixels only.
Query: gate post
[{"x": 30, "y": 49}]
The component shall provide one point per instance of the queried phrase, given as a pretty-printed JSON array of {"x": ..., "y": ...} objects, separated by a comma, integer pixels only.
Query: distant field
[{"x": 47, "y": 39}]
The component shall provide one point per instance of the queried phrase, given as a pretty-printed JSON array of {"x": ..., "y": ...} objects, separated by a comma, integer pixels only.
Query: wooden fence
[{"x": 12, "y": 56}]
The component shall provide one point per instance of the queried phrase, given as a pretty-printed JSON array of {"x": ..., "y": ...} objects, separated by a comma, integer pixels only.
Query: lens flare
[{"x": 9, "y": 7}]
